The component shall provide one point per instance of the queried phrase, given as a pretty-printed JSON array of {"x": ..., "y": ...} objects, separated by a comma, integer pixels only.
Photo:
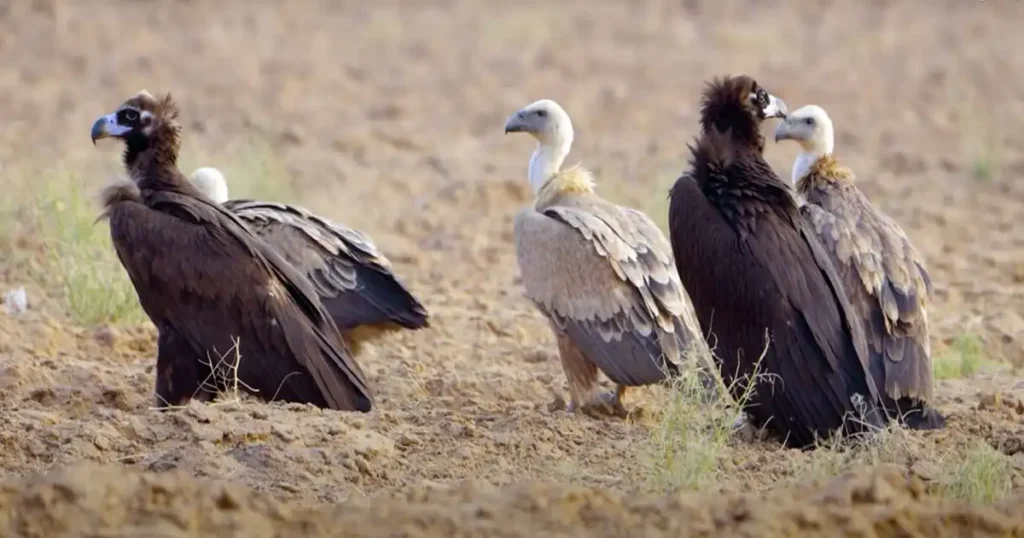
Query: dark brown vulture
[
  {"x": 755, "y": 270},
  {"x": 602, "y": 275},
  {"x": 884, "y": 276},
  {"x": 208, "y": 282},
  {"x": 352, "y": 278}
]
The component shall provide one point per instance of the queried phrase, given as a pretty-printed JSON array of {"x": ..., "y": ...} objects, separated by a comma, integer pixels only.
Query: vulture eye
[
  {"x": 542, "y": 113},
  {"x": 809, "y": 121},
  {"x": 131, "y": 115}
]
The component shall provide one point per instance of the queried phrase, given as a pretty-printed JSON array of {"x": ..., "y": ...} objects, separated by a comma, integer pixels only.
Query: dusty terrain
[{"x": 389, "y": 119}]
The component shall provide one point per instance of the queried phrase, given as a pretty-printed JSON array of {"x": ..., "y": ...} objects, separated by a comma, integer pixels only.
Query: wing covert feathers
[
  {"x": 884, "y": 275},
  {"x": 754, "y": 270},
  {"x": 605, "y": 277},
  {"x": 201, "y": 276},
  {"x": 353, "y": 279}
]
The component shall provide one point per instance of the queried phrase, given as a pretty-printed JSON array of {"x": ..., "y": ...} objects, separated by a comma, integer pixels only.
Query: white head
[
  {"x": 547, "y": 122},
  {"x": 211, "y": 182},
  {"x": 811, "y": 127}
]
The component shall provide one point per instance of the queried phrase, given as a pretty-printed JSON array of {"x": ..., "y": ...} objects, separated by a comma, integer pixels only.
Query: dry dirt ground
[{"x": 388, "y": 117}]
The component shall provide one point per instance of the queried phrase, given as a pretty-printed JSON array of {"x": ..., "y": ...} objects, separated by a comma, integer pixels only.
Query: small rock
[
  {"x": 926, "y": 470},
  {"x": 363, "y": 466},
  {"x": 408, "y": 440},
  {"x": 989, "y": 400},
  {"x": 115, "y": 398},
  {"x": 434, "y": 387},
  {"x": 1009, "y": 323},
  {"x": 558, "y": 404},
  {"x": 282, "y": 433},
  {"x": 16, "y": 301},
  {"x": 1011, "y": 446},
  {"x": 44, "y": 396},
  {"x": 537, "y": 356},
  {"x": 101, "y": 443},
  {"x": 292, "y": 135},
  {"x": 105, "y": 336},
  {"x": 497, "y": 329},
  {"x": 370, "y": 444},
  {"x": 290, "y": 488},
  {"x": 198, "y": 412}
]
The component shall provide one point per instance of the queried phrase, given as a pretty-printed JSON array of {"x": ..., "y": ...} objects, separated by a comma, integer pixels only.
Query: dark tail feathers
[
  {"x": 918, "y": 415},
  {"x": 378, "y": 298}
]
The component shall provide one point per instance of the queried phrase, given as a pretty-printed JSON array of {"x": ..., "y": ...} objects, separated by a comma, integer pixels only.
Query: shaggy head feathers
[
  {"x": 143, "y": 122},
  {"x": 726, "y": 159},
  {"x": 738, "y": 105}
]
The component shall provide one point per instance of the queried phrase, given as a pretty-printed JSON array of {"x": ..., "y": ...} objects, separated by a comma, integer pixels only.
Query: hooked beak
[
  {"x": 782, "y": 131},
  {"x": 515, "y": 123},
  {"x": 106, "y": 127},
  {"x": 776, "y": 108}
]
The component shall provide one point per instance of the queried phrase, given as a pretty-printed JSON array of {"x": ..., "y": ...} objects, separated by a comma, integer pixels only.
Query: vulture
[
  {"x": 602, "y": 275},
  {"x": 763, "y": 287},
  {"x": 228, "y": 309},
  {"x": 352, "y": 278},
  {"x": 884, "y": 276}
]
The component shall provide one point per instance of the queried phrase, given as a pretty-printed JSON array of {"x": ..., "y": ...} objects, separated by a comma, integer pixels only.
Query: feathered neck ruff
[{"x": 151, "y": 159}]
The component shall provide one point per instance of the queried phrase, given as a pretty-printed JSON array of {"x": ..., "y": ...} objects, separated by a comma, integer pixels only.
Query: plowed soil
[{"x": 388, "y": 117}]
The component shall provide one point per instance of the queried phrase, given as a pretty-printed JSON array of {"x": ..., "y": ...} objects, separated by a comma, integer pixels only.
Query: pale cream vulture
[
  {"x": 351, "y": 276},
  {"x": 602, "y": 274},
  {"x": 883, "y": 275}
]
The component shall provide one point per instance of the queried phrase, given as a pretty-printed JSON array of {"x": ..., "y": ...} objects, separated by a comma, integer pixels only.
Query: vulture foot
[{"x": 605, "y": 404}]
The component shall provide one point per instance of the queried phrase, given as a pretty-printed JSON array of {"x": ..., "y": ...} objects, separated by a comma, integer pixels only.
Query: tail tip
[{"x": 926, "y": 418}]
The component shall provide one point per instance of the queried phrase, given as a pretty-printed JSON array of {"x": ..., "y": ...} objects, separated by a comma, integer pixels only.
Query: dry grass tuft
[
  {"x": 892, "y": 444},
  {"x": 962, "y": 359},
  {"x": 57, "y": 210},
  {"x": 692, "y": 435},
  {"x": 984, "y": 475},
  {"x": 78, "y": 253}
]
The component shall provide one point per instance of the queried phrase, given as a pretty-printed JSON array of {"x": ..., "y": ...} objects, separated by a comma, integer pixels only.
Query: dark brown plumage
[
  {"x": 352, "y": 277},
  {"x": 883, "y": 274},
  {"x": 754, "y": 269},
  {"x": 205, "y": 280}
]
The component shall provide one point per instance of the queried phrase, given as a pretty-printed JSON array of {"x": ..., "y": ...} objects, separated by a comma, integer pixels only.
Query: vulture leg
[
  {"x": 581, "y": 373},
  {"x": 178, "y": 378}
]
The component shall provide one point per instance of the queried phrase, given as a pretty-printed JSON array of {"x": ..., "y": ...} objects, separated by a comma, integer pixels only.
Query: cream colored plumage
[
  {"x": 883, "y": 274},
  {"x": 602, "y": 274}
]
